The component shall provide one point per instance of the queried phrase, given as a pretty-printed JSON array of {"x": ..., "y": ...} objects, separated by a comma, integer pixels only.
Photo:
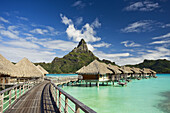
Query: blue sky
[{"x": 123, "y": 31}]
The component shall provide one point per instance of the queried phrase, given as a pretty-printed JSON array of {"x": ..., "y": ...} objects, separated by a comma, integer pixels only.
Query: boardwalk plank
[{"x": 37, "y": 100}]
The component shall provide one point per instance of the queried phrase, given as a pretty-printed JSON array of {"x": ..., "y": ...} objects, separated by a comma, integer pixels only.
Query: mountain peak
[
  {"x": 81, "y": 43},
  {"x": 82, "y": 47}
]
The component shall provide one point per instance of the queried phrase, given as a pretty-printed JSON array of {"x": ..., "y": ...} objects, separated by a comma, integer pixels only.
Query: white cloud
[
  {"x": 9, "y": 34},
  {"x": 163, "y": 36},
  {"x": 12, "y": 29},
  {"x": 157, "y": 53},
  {"x": 139, "y": 26},
  {"x": 130, "y": 44},
  {"x": 96, "y": 23},
  {"x": 39, "y": 31},
  {"x": 22, "y": 18},
  {"x": 79, "y": 4},
  {"x": 22, "y": 43},
  {"x": 2, "y": 26},
  {"x": 142, "y": 6},
  {"x": 103, "y": 55},
  {"x": 28, "y": 34},
  {"x": 4, "y": 20},
  {"x": 87, "y": 32},
  {"x": 166, "y": 25},
  {"x": 79, "y": 20},
  {"x": 160, "y": 42},
  {"x": 34, "y": 55},
  {"x": 65, "y": 20},
  {"x": 103, "y": 44},
  {"x": 58, "y": 44}
]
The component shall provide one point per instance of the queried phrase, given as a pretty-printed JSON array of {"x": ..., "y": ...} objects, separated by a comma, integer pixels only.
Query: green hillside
[{"x": 160, "y": 66}]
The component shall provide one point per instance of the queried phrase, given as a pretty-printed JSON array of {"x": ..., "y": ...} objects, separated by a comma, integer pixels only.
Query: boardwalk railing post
[
  {"x": 66, "y": 105},
  {"x": 77, "y": 109},
  {"x": 9, "y": 97},
  {"x": 59, "y": 101},
  {"x": 23, "y": 88},
  {"x": 56, "y": 97},
  {"x": 19, "y": 90},
  {"x": 2, "y": 101},
  {"x": 15, "y": 93}
]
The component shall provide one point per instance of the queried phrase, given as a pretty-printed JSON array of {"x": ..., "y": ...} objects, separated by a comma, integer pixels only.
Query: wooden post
[
  {"x": 9, "y": 97},
  {"x": 113, "y": 83},
  {"x": 59, "y": 101},
  {"x": 23, "y": 89},
  {"x": 2, "y": 101},
  {"x": 90, "y": 84},
  {"x": 19, "y": 90},
  {"x": 66, "y": 105},
  {"x": 56, "y": 97},
  {"x": 77, "y": 109},
  {"x": 15, "y": 93},
  {"x": 97, "y": 84},
  {"x": 107, "y": 83}
]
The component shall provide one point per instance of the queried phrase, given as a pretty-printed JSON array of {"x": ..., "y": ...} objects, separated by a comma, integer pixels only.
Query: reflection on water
[{"x": 164, "y": 105}]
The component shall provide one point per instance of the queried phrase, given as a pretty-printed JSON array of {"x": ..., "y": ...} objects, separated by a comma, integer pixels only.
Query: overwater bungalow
[
  {"x": 116, "y": 75},
  {"x": 96, "y": 72},
  {"x": 136, "y": 72},
  {"x": 129, "y": 72},
  {"x": 7, "y": 70},
  {"x": 42, "y": 69},
  {"x": 153, "y": 73},
  {"x": 145, "y": 72},
  {"x": 28, "y": 70}
]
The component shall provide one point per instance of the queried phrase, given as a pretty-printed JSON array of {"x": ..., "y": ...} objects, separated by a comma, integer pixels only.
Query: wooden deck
[{"x": 37, "y": 100}]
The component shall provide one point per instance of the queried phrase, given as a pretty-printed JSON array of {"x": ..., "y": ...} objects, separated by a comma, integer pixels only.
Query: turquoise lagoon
[
  {"x": 60, "y": 75},
  {"x": 139, "y": 96}
]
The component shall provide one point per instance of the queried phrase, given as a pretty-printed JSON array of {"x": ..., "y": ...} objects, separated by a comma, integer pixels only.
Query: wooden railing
[
  {"x": 66, "y": 102},
  {"x": 10, "y": 95}
]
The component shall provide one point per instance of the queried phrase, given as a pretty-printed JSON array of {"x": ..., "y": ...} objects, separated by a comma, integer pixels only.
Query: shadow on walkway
[{"x": 48, "y": 104}]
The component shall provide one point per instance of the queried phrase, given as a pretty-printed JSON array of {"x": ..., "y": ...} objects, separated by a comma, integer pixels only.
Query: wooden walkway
[{"x": 37, "y": 100}]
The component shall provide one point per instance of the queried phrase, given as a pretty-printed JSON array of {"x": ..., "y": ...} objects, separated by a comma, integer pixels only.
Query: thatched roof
[
  {"x": 28, "y": 69},
  {"x": 152, "y": 71},
  {"x": 115, "y": 69},
  {"x": 127, "y": 69},
  {"x": 136, "y": 70},
  {"x": 42, "y": 69},
  {"x": 146, "y": 70},
  {"x": 95, "y": 68},
  {"x": 7, "y": 68}
]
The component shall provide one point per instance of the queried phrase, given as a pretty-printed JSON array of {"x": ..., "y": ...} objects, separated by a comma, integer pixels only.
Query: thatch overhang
[
  {"x": 136, "y": 70},
  {"x": 127, "y": 69},
  {"x": 42, "y": 69},
  {"x": 95, "y": 68},
  {"x": 152, "y": 71},
  {"x": 114, "y": 69},
  {"x": 146, "y": 71},
  {"x": 7, "y": 68},
  {"x": 28, "y": 69}
]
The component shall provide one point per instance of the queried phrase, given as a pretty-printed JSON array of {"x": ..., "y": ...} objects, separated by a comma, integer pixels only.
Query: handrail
[
  {"x": 78, "y": 105},
  {"x": 15, "y": 92}
]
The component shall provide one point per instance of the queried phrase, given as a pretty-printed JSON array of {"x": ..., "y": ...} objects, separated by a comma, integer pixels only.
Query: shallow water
[
  {"x": 139, "y": 96},
  {"x": 60, "y": 75}
]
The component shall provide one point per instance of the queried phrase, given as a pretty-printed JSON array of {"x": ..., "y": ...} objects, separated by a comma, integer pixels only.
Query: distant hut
[
  {"x": 137, "y": 72},
  {"x": 116, "y": 72},
  {"x": 95, "y": 72},
  {"x": 145, "y": 72},
  {"x": 128, "y": 70},
  {"x": 42, "y": 70},
  {"x": 153, "y": 73},
  {"x": 7, "y": 70},
  {"x": 28, "y": 69}
]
